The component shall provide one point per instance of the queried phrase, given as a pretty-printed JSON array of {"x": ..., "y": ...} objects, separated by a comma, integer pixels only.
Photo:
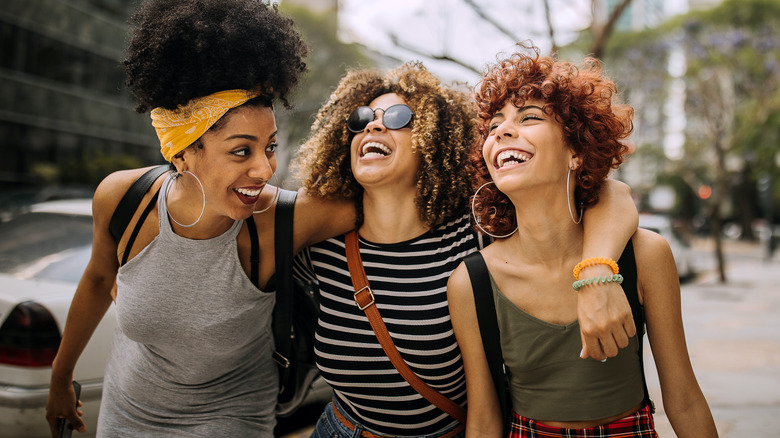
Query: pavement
[{"x": 733, "y": 335}]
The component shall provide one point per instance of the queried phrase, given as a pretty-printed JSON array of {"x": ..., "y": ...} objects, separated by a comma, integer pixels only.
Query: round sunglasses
[{"x": 396, "y": 117}]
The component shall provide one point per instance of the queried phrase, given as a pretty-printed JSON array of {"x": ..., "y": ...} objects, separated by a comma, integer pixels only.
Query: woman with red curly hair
[{"x": 551, "y": 132}]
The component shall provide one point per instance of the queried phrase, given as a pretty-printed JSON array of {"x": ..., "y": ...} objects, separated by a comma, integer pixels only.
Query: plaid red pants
[{"x": 638, "y": 425}]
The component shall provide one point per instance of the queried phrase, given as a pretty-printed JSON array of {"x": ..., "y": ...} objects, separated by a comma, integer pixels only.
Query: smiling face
[
  {"x": 381, "y": 156},
  {"x": 525, "y": 147},
  {"x": 236, "y": 161}
]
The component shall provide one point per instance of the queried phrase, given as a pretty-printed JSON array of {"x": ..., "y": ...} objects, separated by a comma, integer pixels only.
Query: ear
[
  {"x": 180, "y": 161},
  {"x": 574, "y": 162}
]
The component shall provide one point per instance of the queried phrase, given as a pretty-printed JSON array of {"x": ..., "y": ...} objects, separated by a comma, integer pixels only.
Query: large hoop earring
[
  {"x": 176, "y": 175},
  {"x": 476, "y": 219},
  {"x": 568, "y": 199},
  {"x": 276, "y": 197}
]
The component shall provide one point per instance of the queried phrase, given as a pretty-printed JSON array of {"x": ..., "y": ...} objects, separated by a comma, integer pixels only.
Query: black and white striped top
[{"x": 409, "y": 281}]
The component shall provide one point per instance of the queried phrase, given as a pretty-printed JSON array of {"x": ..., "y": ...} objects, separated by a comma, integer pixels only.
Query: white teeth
[
  {"x": 373, "y": 148},
  {"x": 511, "y": 155},
  {"x": 250, "y": 193}
]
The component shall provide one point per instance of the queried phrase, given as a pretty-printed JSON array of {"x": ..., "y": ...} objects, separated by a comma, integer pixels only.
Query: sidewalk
[{"x": 733, "y": 336}]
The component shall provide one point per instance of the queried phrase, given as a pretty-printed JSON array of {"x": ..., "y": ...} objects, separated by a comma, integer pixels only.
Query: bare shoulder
[
  {"x": 459, "y": 291},
  {"x": 654, "y": 261},
  {"x": 650, "y": 246},
  {"x": 110, "y": 191},
  {"x": 459, "y": 279}
]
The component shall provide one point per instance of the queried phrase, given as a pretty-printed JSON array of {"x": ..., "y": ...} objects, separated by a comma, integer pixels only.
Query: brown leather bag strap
[{"x": 364, "y": 298}]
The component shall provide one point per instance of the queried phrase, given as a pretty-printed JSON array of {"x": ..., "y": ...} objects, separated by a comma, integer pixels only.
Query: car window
[{"x": 46, "y": 246}]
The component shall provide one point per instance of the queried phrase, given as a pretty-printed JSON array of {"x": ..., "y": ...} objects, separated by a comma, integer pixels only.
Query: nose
[
  {"x": 262, "y": 167},
  {"x": 504, "y": 129},
  {"x": 378, "y": 123}
]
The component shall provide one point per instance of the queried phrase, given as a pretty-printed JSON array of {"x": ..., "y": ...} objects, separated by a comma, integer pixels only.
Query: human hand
[
  {"x": 61, "y": 405},
  {"x": 606, "y": 321}
]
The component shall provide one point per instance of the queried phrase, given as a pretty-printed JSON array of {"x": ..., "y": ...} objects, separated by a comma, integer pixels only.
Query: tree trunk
[{"x": 717, "y": 235}]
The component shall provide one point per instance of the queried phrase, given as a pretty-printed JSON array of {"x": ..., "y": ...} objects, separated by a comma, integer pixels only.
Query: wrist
[
  {"x": 595, "y": 271},
  {"x": 61, "y": 373}
]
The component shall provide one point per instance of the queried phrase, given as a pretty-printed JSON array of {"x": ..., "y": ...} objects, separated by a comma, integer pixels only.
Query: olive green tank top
[{"x": 548, "y": 381}]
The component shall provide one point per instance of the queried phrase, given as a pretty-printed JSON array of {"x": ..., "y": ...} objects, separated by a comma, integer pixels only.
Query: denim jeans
[{"x": 328, "y": 426}]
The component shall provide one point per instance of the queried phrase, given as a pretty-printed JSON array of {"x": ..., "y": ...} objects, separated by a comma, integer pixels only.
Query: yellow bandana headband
[{"x": 179, "y": 128}]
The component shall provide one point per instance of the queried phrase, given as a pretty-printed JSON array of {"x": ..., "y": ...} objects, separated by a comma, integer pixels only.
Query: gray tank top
[
  {"x": 548, "y": 380},
  {"x": 192, "y": 351}
]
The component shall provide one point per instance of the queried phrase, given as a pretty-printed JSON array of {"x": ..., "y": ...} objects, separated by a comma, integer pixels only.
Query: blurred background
[{"x": 702, "y": 76}]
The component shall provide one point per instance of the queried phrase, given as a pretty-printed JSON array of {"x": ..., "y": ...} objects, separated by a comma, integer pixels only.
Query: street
[{"x": 733, "y": 335}]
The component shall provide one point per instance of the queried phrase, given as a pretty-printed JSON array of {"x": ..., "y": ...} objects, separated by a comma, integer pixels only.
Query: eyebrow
[
  {"x": 527, "y": 107},
  {"x": 250, "y": 137},
  {"x": 519, "y": 110}
]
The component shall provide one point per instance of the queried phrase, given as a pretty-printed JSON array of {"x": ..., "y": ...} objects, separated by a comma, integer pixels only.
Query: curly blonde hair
[{"x": 443, "y": 132}]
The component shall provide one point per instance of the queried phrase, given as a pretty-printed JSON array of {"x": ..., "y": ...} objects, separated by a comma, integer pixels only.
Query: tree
[
  {"x": 732, "y": 104},
  {"x": 598, "y": 29}
]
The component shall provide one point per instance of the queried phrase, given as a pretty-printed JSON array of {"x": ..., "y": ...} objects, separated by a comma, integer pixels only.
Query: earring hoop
[
  {"x": 276, "y": 197},
  {"x": 568, "y": 199},
  {"x": 476, "y": 219},
  {"x": 175, "y": 176}
]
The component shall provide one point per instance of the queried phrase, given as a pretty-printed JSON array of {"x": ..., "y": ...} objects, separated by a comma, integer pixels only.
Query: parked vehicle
[
  {"x": 43, "y": 253},
  {"x": 680, "y": 247}
]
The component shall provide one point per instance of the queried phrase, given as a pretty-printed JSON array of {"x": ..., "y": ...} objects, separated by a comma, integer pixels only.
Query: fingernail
[{"x": 582, "y": 351}]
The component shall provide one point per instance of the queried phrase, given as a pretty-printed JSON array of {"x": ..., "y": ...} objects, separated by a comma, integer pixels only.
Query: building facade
[{"x": 63, "y": 103}]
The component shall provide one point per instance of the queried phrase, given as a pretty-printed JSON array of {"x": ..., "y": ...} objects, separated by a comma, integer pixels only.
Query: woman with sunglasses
[
  {"x": 192, "y": 354},
  {"x": 550, "y": 134},
  {"x": 396, "y": 145}
]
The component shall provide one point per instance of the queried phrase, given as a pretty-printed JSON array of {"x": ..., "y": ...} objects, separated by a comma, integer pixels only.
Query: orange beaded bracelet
[{"x": 595, "y": 261}]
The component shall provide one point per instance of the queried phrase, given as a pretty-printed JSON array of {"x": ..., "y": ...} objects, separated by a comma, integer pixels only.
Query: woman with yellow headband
[{"x": 192, "y": 353}]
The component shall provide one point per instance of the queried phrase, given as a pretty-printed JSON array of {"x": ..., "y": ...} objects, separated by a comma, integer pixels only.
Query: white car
[
  {"x": 43, "y": 253},
  {"x": 680, "y": 248}
]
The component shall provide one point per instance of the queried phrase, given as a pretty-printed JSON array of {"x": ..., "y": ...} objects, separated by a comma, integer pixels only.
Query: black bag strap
[
  {"x": 283, "y": 249},
  {"x": 488, "y": 326},
  {"x": 254, "y": 257},
  {"x": 129, "y": 203},
  {"x": 627, "y": 265}
]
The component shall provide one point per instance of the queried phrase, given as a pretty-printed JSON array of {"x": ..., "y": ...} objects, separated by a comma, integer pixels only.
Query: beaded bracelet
[
  {"x": 595, "y": 261},
  {"x": 617, "y": 278}
]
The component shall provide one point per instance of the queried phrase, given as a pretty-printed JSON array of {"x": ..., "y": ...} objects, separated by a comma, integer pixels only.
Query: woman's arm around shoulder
[
  {"x": 659, "y": 286},
  {"x": 484, "y": 412},
  {"x": 317, "y": 219},
  {"x": 605, "y": 317},
  {"x": 90, "y": 301}
]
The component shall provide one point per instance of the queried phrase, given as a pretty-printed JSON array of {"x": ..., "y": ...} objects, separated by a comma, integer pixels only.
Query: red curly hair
[{"x": 581, "y": 99}]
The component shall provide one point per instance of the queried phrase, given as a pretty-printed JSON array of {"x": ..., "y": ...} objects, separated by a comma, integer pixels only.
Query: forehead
[
  {"x": 386, "y": 101},
  {"x": 258, "y": 121}
]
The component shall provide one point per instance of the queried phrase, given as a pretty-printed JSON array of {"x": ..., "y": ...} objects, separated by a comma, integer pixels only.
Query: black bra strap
[{"x": 137, "y": 227}]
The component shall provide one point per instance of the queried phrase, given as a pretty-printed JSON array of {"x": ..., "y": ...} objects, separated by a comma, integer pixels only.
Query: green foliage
[
  {"x": 91, "y": 170},
  {"x": 731, "y": 74},
  {"x": 741, "y": 13}
]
